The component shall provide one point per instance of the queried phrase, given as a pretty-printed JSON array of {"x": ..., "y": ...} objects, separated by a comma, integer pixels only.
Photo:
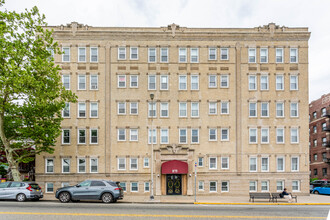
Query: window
[
  {"x": 225, "y": 163},
  {"x": 315, "y": 172},
  {"x": 201, "y": 185},
  {"x": 280, "y": 135},
  {"x": 213, "y": 186},
  {"x": 224, "y": 107},
  {"x": 134, "y": 187},
  {"x": 263, "y": 55},
  {"x": 194, "y": 136},
  {"x": 183, "y": 135},
  {"x": 323, "y": 112},
  {"x": 224, "y": 81},
  {"x": 94, "y": 108},
  {"x": 66, "y": 54},
  {"x": 253, "y": 164},
  {"x": 81, "y": 82},
  {"x": 194, "y": 55},
  {"x": 182, "y": 109},
  {"x": 93, "y": 136},
  {"x": 182, "y": 82},
  {"x": 164, "y": 136},
  {"x": 94, "y": 54},
  {"x": 212, "y": 81},
  {"x": 49, "y": 187},
  {"x": 252, "y": 109},
  {"x": 212, "y": 134},
  {"x": 212, "y": 108},
  {"x": 133, "y": 135},
  {"x": 263, "y": 82},
  {"x": 152, "y": 136},
  {"x": 224, "y": 186},
  {"x": 121, "y": 53},
  {"x": 293, "y": 82},
  {"x": 81, "y": 136},
  {"x": 134, "y": 53},
  {"x": 294, "y": 109},
  {"x": 65, "y": 165},
  {"x": 146, "y": 162},
  {"x": 264, "y": 135},
  {"x": 164, "y": 109},
  {"x": 253, "y": 135},
  {"x": 194, "y": 82},
  {"x": 314, "y": 115},
  {"x": 279, "y": 109},
  {"x": 213, "y": 163},
  {"x": 66, "y": 81},
  {"x": 224, "y": 54},
  {"x": 324, "y": 155},
  {"x": 279, "y": 82},
  {"x": 121, "y": 108},
  {"x": 212, "y": 53},
  {"x": 121, "y": 164},
  {"x": 324, "y": 171},
  {"x": 134, "y": 81},
  {"x": 315, "y": 157},
  {"x": 81, "y": 165},
  {"x": 133, "y": 108},
  {"x": 182, "y": 55},
  {"x": 151, "y": 55},
  {"x": 264, "y": 109},
  {"x": 51, "y": 52},
  {"x": 146, "y": 187},
  {"x": 133, "y": 164},
  {"x": 264, "y": 164},
  {"x": 253, "y": 186},
  {"x": 279, "y": 185},
  {"x": 81, "y": 54},
  {"x": 152, "y": 111},
  {"x": 294, "y": 135},
  {"x": 65, "y": 136},
  {"x": 164, "y": 55},
  {"x": 94, "y": 81},
  {"x": 151, "y": 82},
  {"x": 315, "y": 142},
  {"x": 121, "y": 134},
  {"x": 293, "y": 55},
  {"x": 224, "y": 134},
  {"x": 280, "y": 164},
  {"x": 252, "y": 55},
  {"x": 200, "y": 161},
  {"x": 121, "y": 81},
  {"x": 49, "y": 165},
  {"x": 324, "y": 141},
  {"x": 295, "y": 185},
  {"x": 163, "y": 82},
  {"x": 94, "y": 165},
  {"x": 264, "y": 186},
  {"x": 294, "y": 164},
  {"x": 123, "y": 186},
  {"x": 252, "y": 82},
  {"x": 279, "y": 55},
  {"x": 195, "y": 109},
  {"x": 324, "y": 127},
  {"x": 66, "y": 110}
]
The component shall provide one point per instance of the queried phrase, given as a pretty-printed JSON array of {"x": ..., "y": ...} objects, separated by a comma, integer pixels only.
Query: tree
[{"x": 31, "y": 93}]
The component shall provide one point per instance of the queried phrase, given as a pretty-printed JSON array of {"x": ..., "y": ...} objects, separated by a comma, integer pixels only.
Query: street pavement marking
[{"x": 156, "y": 216}]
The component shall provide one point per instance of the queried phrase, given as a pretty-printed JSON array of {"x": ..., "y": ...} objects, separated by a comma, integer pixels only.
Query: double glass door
[{"x": 173, "y": 184}]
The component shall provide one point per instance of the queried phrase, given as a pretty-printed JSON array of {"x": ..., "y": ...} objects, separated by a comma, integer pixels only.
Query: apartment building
[
  {"x": 157, "y": 104},
  {"x": 319, "y": 137}
]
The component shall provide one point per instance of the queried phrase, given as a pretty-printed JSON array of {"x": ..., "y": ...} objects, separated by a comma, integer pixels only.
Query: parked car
[
  {"x": 20, "y": 191},
  {"x": 105, "y": 190},
  {"x": 317, "y": 183},
  {"x": 322, "y": 190}
]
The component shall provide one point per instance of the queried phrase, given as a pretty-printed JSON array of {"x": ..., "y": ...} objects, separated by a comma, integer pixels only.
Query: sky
[{"x": 202, "y": 13}]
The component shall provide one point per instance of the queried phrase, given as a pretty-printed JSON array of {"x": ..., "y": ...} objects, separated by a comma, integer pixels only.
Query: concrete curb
[{"x": 228, "y": 203}]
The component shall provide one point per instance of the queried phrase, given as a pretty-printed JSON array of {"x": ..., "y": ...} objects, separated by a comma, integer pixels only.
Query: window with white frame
[
  {"x": 49, "y": 187},
  {"x": 81, "y": 82},
  {"x": 194, "y": 55},
  {"x": 123, "y": 186},
  {"x": 294, "y": 135},
  {"x": 133, "y": 134},
  {"x": 182, "y": 82},
  {"x": 201, "y": 185},
  {"x": 121, "y": 164},
  {"x": 252, "y": 109},
  {"x": 151, "y": 55},
  {"x": 224, "y": 134},
  {"x": 253, "y": 186},
  {"x": 134, "y": 186},
  {"x": 224, "y": 54},
  {"x": 65, "y": 165},
  {"x": 294, "y": 109},
  {"x": 263, "y": 55},
  {"x": 134, "y": 108},
  {"x": 213, "y": 186},
  {"x": 151, "y": 82},
  {"x": 94, "y": 136},
  {"x": 252, "y": 82},
  {"x": 264, "y": 109},
  {"x": 253, "y": 164},
  {"x": 81, "y": 165},
  {"x": 152, "y": 136},
  {"x": 121, "y": 53},
  {"x": 94, "y": 54},
  {"x": 51, "y": 52},
  {"x": 94, "y": 82},
  {"x": 194, "y": 82},
  {"x": 280, "y": 164},
  {"x": 280, "y": 135},
  {"x": 224, "y": 107},
  {"x": 163, "y": 82},
  {"x": 323, "y": 112},
  {"x": 122, "y": 81},
  {"x": 264, "y": 186},
  {"x": 94, "y": 164},
  {"x": 66, "y": 81},
  {"x": 121, "y": 108},
  {"x": 212, "y": 81},
  {"x": 66, "y": 110},
  {"x": 225, "y": 163},
  {"x": 133, "y": 164},
  {"x": 279, "y": 109},
  {"x": 294, "y": 82},
  {"x": 224, "y": 81},
  {"x": 134, "y": 53},
  {"x": 121, "y": 134},
  {"x": 194, "y": 136},
  {"x": 66, "y": 136},
  {"x": 252, "y": 55},
  {"x": 212, "y": 134},
  {"x": 279, "y": 185},
  {"x": 200, "y": 161},
  {"x": 182, "y": 109},
  {"x": 146, "y": 187},
  {"x": 263, "y": 82},
  {"x": 81, "y": 54},
  {"x": 294, "y": 164},
  {"x": 94, "y": 109},
  {"x": 224, "y": 186},
  {"x": 264, "y": 135},
  {"x": 164, "y": 136},
  {"x": 182, "y": 135},
  {"x": 213, "y": 163},
  {"x": 81, "y": 136},
  {"x": 49, "y": 165},
  {"x": 279, "y": 82},
  {"x": 134, "y": 81},
  {"x": 152, "y": 110},
  {"x": 264, "y": 164},
  {"x": 212, "y": 53},
  {"x": 182, "y": 55},
  {"x": 164, "y": 55},
  {"x": 194, "y": 109},
  {"x": 66, "y": 54},
  {"x": 279, "y": 55},
  {"x": 295, "y": 185},
  {"x": 293, "y": 55},
  {"x": 146, "y": 162},
  {"x": 164, "y": 107},
  {"x": 213, "y": 108}
]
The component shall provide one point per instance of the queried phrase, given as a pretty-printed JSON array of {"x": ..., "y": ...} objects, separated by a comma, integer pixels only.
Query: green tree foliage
[{"x": 31, "y": 92}]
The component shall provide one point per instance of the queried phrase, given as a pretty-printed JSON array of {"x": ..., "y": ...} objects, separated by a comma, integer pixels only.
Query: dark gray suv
[{"x": 105, "y": 190}]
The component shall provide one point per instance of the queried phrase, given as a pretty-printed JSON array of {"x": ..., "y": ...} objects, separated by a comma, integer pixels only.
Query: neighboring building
[
  {"x": 232, "y": 100},
  {"x": 319, "y": 138}
]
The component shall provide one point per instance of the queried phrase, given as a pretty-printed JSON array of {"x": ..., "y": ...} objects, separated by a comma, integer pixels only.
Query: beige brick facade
[{"x": 227, "y": 164}]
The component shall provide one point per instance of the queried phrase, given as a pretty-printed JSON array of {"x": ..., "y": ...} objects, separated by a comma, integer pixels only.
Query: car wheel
[
  {"x": 107, "y": 198},
  {"x": 64, "y": 197},
  {"x": 316, "y": 192},
  {"x": 21, "y": 197}
]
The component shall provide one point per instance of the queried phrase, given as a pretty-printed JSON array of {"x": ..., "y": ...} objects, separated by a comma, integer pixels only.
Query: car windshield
[{"x": 85, "y": 183}]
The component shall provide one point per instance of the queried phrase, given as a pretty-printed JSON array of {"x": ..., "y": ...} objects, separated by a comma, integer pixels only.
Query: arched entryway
[{"x": 174, "y": 177}]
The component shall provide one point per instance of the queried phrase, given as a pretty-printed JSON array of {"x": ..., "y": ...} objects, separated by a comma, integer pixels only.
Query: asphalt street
[{"x": 50, "y": 210}]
